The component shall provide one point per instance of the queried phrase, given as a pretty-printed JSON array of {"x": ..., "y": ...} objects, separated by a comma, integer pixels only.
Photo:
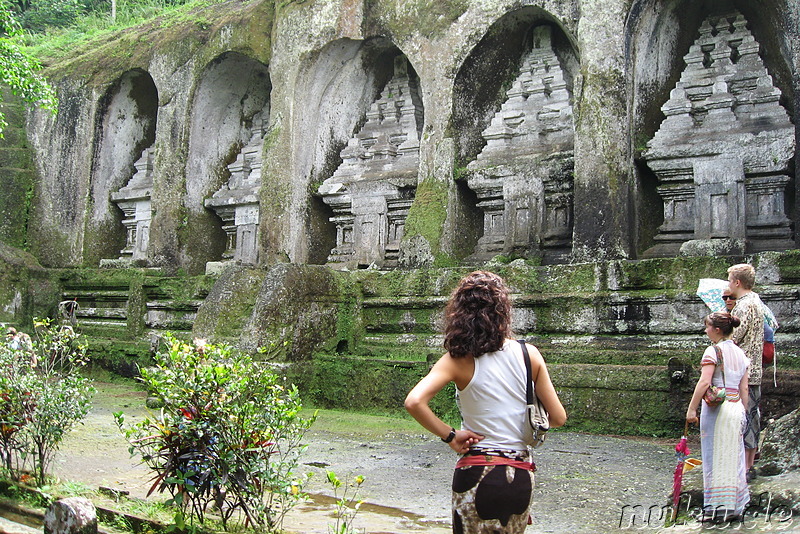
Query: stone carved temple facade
[
  {"x": 371, "y": 191},
  {"x": 135, "y": 202},
  {"x": 722, "y": 154},
  {"x": 515, "y": 128},
  {"x": 237, "y": 202},
  {"x": 523, "y": 176}
]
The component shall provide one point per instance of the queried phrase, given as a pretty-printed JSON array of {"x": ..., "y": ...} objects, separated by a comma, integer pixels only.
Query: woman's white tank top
[{"x": 493, "y": 403}]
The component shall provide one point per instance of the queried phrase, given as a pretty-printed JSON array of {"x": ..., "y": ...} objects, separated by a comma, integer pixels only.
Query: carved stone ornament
[
  {"x": 721, "y": 154},
  {"x": 135, "y": 202},
  {"x": 523, "y": 177},
  {"x": 371, "y": 191},
  {"x": 237, "y": 203}
]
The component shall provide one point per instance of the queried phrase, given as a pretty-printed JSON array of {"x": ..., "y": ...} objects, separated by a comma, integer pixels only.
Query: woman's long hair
[{"x": 477, "y": 316}]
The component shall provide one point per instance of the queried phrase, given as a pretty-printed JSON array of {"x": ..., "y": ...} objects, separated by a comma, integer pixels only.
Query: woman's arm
[
  {"x": 706, "y": 373},
  {"x": 744, "y": 389},
  {"x": 544, "y": 388},
  {"x": 418, "y": 399}
]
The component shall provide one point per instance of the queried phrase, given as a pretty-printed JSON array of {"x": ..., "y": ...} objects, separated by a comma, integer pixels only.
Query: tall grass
[{"x": 53, "y": 43}]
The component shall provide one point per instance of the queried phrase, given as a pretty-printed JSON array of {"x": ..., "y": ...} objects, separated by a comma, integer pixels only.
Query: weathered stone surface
[
  {"x": 73, "y": 515},
  {"x": 296, "y": 305},
  {"x": 320, "y": 65},
  {"x": 780, "y": 449}
]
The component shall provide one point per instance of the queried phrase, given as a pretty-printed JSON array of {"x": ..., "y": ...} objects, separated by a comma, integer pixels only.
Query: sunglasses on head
[{"x": 728, "y": 297}]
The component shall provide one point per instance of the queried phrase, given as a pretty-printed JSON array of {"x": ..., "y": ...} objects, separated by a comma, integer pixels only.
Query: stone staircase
[{"x": 124, "y": 311}]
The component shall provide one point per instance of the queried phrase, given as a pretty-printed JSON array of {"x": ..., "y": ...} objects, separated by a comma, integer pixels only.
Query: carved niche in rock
[
  {"x": 523, "y": 177},
  {"x": 135, "y": 202},
  {"x": 372, "y": 190},
  {"x": 721, "y": 154},
  {"x": 237, "y": 204}
]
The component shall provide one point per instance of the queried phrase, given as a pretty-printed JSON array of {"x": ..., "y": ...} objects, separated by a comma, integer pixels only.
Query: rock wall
[{"x": 312, "y": 71}]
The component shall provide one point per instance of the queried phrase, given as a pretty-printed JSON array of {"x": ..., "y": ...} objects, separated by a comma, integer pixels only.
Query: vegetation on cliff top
[{"x": 99, "y": 47}]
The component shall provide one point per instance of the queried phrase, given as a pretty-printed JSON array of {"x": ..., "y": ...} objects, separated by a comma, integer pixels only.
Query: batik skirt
[{"x": 492, "y": 499}]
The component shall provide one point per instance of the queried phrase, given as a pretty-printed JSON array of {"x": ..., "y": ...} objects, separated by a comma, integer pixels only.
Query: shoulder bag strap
[
  {"x": 721, "y": 363},
  {"x": 527, "y": 358}
]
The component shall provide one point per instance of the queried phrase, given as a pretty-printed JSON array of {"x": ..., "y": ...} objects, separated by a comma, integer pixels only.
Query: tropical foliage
[
  {"x": 42, "y": 397},
  {"x": 228, "y": 435},
  {"x": 18, "y": 70}
]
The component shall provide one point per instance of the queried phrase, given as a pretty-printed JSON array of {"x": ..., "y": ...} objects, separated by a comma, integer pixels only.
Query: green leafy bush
[
  {"x": 228, "y": 435},
  {"x": 50, "y": 13},
  {"x": 42, "y": 397}
]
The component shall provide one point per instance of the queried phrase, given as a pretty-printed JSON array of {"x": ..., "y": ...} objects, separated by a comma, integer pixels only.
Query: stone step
[
  {"x": 10, "y": 527},
  {"x": 103, "y": 294},
  {"x": 102, "y": 312}
]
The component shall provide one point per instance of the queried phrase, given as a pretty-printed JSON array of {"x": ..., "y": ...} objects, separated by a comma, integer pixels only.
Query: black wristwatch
[{"x": 450, "y": 436}]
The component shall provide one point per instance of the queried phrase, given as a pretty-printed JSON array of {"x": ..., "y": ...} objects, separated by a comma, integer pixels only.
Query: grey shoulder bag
[{"x": 536, "y": 414}]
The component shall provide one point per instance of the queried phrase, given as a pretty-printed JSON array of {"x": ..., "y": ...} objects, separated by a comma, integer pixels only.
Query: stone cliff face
[
  {"x": 544, "y": 163},
  {"x": 242, "y": 146}
]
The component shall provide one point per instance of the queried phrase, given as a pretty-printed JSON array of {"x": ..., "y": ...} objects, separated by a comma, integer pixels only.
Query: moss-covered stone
[
  {"x": 674, "y": 273},
  {"x": 124, "y": 358},
  {"x": 426, "y": 218},
  {"x": 229, "y": 305},
  {"x": 26, "y": 289},
  {"x": 608, "y": 399},
  {"x": 17, "y": 173},
  {"x": 362, "y": 339},
  {"x": 182, "y": 32}
]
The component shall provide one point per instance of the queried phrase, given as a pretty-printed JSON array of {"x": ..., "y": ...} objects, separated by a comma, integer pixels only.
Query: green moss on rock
[
  {"x": 183, "y": 32},
  {"x": 426, "y": 217}
]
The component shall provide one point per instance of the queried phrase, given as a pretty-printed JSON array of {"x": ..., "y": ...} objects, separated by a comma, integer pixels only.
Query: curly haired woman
[{"x": 493, "y": 480}]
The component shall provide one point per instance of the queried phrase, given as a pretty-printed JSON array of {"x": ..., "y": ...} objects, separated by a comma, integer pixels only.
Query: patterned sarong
[{"x": 492, "y": 493}]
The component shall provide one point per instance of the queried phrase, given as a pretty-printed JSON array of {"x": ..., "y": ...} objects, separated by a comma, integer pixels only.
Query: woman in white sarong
[{"x": 725, "y": 491}]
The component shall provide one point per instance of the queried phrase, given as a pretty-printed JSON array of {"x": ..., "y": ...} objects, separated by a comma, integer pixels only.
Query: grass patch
[{"x": 374, "y": 424}]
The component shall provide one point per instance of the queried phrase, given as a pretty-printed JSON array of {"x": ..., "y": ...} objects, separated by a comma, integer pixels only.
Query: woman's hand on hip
[{"x": 463, "y": 440}]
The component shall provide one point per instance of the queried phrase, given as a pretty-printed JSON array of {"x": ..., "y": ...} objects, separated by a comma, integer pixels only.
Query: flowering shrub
[
  {"x": 228, "y": 435},
  {"x": 42, "y": 397}
]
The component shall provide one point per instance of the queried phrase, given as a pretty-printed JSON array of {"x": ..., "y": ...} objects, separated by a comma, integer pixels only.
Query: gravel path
[{"x": 583, "y": 482}]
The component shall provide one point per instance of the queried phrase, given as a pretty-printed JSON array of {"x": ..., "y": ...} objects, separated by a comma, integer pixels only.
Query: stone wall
[
  {"x": 622, "y": 338},
  {"x": 312, "y": 71}
]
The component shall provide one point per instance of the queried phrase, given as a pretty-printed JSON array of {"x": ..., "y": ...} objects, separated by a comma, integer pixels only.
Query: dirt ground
[{"x": 583, "y": 483}]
